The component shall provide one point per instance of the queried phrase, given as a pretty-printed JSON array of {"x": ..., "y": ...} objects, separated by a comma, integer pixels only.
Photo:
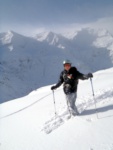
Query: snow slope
[{"x": 22, "y": 119}]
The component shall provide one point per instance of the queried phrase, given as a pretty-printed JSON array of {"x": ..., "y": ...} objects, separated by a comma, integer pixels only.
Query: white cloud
[
  {"x": 26, "y": 29},
  {"x": 102, "y": 23},
  {"x": 106, "y": 23}
]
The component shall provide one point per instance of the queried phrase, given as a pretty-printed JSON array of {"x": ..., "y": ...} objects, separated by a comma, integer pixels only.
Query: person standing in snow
[{"x": 69, "y": 78}]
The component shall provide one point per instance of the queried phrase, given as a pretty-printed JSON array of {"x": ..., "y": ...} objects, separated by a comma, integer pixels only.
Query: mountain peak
[
  {"x": 45, "y": 36},
  {"x": 6, "y": 38}
]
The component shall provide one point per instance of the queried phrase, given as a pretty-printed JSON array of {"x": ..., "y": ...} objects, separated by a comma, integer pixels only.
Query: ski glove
[
  {"x": 90, "y": 75},
  {"x": 53, "y": 87}
]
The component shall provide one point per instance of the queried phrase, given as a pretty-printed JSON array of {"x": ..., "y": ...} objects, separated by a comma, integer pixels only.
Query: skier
[{"x": 69, "y": 78}]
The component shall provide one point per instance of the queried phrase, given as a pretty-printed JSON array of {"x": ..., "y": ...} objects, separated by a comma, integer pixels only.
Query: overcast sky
[{"x": 30, "y": 16}]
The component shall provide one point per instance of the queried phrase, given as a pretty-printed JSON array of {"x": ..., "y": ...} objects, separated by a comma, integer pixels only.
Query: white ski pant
[{"x": 71, "y": 99}]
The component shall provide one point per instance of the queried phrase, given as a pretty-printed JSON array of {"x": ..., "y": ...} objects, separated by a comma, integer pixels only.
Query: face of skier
[{"x": 67, "y": 66}]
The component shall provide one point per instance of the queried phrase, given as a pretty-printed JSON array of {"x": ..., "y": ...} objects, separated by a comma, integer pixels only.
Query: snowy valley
[{"x": 27, "y": 63}]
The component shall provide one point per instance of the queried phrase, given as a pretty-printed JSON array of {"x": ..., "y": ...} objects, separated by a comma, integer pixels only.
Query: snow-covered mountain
[
  {"x": 27, "y": 63},
  {"x": 22, "y": 121},
  {"x": 52, "y": 39},
  {"x": 93, "y": 44}
]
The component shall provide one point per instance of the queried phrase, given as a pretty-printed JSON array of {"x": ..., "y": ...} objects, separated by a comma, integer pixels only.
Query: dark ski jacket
[{"x": 69, "y": 79}]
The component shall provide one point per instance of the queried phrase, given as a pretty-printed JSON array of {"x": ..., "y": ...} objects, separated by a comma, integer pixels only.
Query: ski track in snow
[
  {"x": 22, "y": 109},
  {"x": 60, "y": 118},
  {"x": 86, "y": 101},
  {"x": 99, "y": 96}
]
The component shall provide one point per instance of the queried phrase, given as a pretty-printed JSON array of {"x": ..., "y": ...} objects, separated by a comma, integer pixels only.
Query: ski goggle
[{"x": 67, "y": 65}]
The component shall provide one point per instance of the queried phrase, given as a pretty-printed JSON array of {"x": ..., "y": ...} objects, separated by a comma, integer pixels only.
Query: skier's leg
[
  {"x": 71, "y": 98},
  {"x": 73, "y": 103}
]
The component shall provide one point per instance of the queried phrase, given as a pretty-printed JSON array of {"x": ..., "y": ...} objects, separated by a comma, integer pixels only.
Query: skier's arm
[
  {"x": 84, "y": 76},
  {"x": 60, "y": 81},
  {"x": 77, "y": 75}
]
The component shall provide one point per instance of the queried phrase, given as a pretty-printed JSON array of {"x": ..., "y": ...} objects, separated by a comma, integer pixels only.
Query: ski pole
[
  {"x": 94, "y": 97},
  {"x": 54, "y": 103}
]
